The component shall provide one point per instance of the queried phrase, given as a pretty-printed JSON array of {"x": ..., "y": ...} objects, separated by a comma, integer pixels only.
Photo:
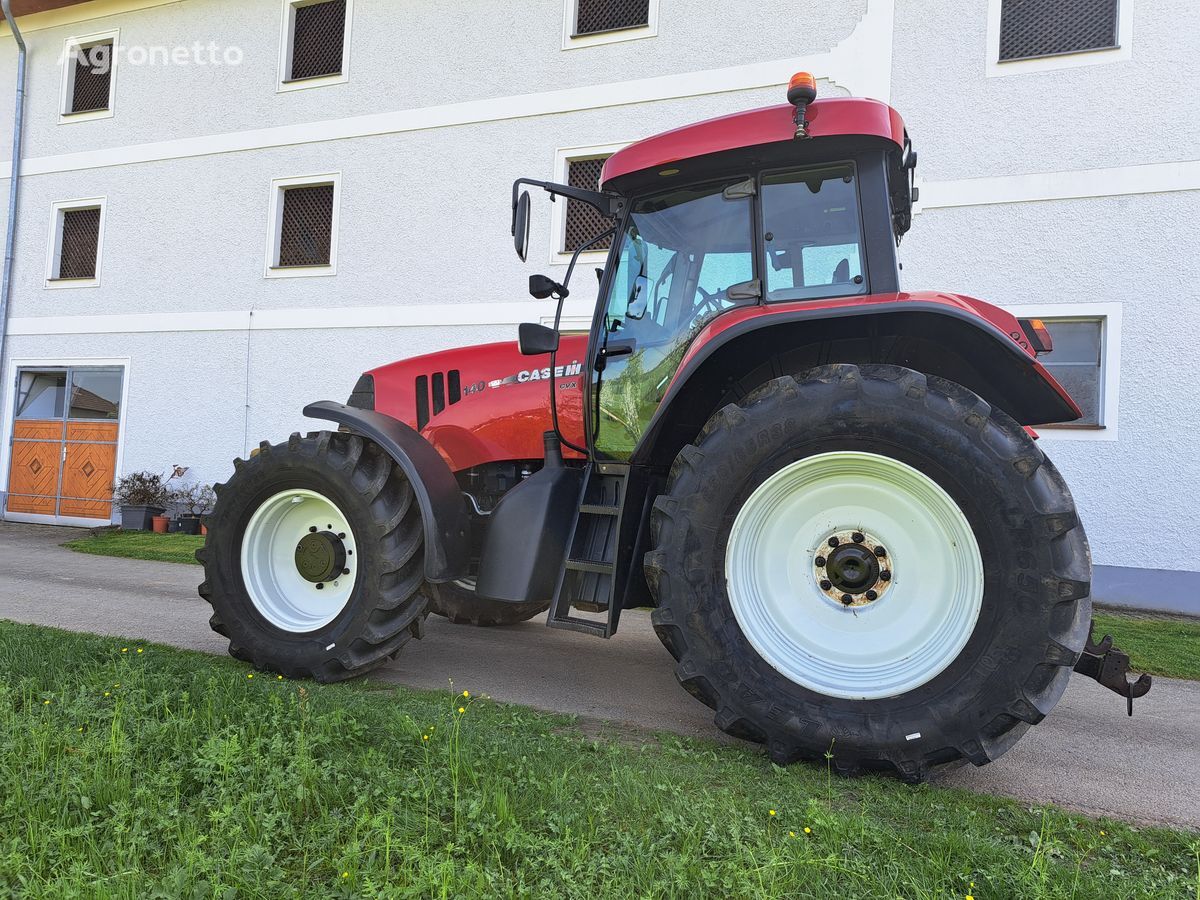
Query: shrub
[{"x": 142, "y": 489}]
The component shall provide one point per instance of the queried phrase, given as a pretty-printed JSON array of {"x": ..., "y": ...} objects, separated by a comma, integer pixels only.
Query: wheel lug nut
[
  {"x": 885, "y": 575},
  {"x": 312, "y": 529},
  {"x": 320, "y": 586},
  {"x": 881, "y": 552},
  {"x": 847, "y": 599},
  {"x": 833, "y": 542},
  {"x": 341, "y": 535},
  {"x": 871, "y": 595},
  {"x": 345, "y": 571},
  {"x": 858, "y": 537},
  {"x": 820, "y": 561},
  {"x": 826, "y": 585}
]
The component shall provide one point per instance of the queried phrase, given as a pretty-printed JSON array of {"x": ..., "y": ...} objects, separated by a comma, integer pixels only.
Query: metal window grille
[
  {"x": 92, "y": 82},
  {"x": 79, "y": 242},
  {"x": 318, "y": 39},
  {"x": 584, "y": 222},
  {"x": 597, "y": 16},
  {"x": 306, "y": 226},
  {"x": 1035, "y": 28}
]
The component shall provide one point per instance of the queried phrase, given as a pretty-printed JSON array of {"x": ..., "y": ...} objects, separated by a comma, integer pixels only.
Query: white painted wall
[{"x": 428, "y": 140}]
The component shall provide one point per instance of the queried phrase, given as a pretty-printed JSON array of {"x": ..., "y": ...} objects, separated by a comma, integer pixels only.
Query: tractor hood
[{"x": 485, "y": 403}]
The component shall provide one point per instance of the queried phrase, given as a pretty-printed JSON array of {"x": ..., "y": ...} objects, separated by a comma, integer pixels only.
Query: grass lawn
[
  {"x": 176, "y": 548},
  {"x": 1160, "y": 646},
  {"x": 133, "y": 770}
]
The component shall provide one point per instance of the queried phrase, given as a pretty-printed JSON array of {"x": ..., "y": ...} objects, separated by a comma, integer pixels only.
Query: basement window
[
  {"x": 1077, "y": 363},
  {"x": 304, "y": 214},
  {"x": 589, "y": 22},
  {"x": 315, "y": 43},
  {"x": 75, "y": 241},
  {"x": 89, "y": 77}
]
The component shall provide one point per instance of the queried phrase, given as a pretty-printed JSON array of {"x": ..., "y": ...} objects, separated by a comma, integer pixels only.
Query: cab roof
[{"x": 836, "y": 116}]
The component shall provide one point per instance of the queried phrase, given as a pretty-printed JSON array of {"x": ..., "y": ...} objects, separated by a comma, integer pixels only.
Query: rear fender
[
  {"x": 438, "y": 494},
  {"x": 933, "y": 336}
]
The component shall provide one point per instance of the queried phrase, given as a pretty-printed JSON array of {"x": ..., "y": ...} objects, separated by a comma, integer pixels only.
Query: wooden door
[
  {"x": 88, "y": 470},
  {"x": 36, "y": 463}
]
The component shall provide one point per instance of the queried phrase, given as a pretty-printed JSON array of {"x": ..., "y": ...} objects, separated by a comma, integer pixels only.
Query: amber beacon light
[{"x": 802, "y": 90}]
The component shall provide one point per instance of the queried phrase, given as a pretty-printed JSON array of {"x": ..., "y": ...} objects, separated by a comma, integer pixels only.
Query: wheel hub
[
  {"x": 852, "y": 568},
  {"x": 320, "y": 556}
]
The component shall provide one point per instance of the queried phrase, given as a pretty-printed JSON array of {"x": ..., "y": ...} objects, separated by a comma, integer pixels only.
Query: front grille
[
  {"x": 306, "y": 232},
  {"x": 318, "y": 40},
  {"x": 585, "y": 222},
  {"x": 93, "y": 77},
  {"x": 596, "y": 16},
  {"x": 1033, "y": 28},
  {"x": 80, "y": 238}
]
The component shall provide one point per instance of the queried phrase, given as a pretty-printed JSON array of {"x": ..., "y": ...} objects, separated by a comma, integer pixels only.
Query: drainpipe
[{"x": 15, "y": 178}]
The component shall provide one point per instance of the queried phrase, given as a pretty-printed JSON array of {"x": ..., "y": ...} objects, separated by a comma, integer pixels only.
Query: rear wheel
[
  {"x": 870, "y": 563},
  {"x": 458, "y": 602},
  {"x": 315, "y": 558}
]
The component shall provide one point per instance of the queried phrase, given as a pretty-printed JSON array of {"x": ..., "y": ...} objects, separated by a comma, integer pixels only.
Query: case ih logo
[{"x": 574, "y": 368}]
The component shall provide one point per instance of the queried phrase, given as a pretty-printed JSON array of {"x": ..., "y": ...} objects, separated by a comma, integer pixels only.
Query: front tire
[
  {"x": 315, "y": 558},
  {"x": 968, "y": 640}
]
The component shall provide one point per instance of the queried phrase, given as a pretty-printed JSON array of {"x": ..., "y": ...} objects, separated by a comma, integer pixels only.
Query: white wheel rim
[
  {"x": 278, "y": 590},
  {"x": 898, "y": 642}
]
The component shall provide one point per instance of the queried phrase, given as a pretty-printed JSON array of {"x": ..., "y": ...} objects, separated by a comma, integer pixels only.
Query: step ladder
[{"x": 585, "y": 597}]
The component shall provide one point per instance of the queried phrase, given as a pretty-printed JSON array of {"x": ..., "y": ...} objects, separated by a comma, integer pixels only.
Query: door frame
[{"x": 10, "y": 414}]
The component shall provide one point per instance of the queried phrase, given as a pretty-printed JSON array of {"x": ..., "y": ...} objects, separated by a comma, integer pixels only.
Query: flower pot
[
  {"x": 189, "y": 525},
  {"x": 138, "y": 518},
  {"x": 160, "y": 524},
  {"x": 175, "y": 526}
]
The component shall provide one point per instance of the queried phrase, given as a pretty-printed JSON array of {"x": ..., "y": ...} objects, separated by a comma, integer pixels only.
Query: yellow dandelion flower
[
  {"x": 969, "y": 897},
  {"x": 1102, "y": 834},
  {"x": 250, "y": 675},
  {"x": 466, "y": 693},
  {"x": 140, "y": 650},
  {"x": 45, "y": 703},
  {"x": 81, "y": 728},
  {"x": 424, "y": 737},
  {"x": 106, "y": 694},
  {"x": 124, "y": 649},
  {"x": 771, "y": 811},
  {"x": 462, "y": 709},
  {"x": 345, "y": 874},
  {"x": 807, "y": 830},
  {"x": 279, "y": 678},
  {"x": 791, "y": 834}
]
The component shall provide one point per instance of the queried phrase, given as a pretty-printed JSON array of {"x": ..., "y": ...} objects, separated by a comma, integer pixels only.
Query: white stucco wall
[{"x": 424, "y": 205}]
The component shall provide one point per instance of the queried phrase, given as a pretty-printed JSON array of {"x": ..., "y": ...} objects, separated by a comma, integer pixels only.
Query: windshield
[
  {"x": 681, "y": 253},
  {"x": 811, "y": 233}
]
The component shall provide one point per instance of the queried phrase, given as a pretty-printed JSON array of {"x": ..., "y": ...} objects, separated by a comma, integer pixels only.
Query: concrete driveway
[{"x": 1086, "y": 756}]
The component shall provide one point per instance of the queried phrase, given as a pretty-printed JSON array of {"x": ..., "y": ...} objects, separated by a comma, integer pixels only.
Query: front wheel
[
  {"x": 315, "y": 558},
  {"x": 873, "y": 564}
]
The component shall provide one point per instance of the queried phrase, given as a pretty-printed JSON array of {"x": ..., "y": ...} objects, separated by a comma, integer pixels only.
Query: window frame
[
  {"x": 573, "y": 41},
  {"x": 275, "y": 226},
  {"x": 287, "y": 33},
  {"x": 67, "y": 77},
  {"x": 563, "y": 157},
  {"x": 996, "y": 68},
  {"x": 1109, "y": 316},
  {"x": 54, "y": 245}
]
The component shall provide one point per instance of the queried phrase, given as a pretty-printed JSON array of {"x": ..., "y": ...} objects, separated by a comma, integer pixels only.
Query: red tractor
[{"x": 827, "y": 489}]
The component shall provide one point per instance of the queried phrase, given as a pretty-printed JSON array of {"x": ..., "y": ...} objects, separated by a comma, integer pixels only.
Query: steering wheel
[{"x": 710, "y": 304}]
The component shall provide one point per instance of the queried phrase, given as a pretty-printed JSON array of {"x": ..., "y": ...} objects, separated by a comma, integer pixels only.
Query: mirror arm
[{"x": 609, "y": 205}]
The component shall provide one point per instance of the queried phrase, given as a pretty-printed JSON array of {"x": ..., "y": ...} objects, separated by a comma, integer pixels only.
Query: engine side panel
[{"x": 486, "y": 403}]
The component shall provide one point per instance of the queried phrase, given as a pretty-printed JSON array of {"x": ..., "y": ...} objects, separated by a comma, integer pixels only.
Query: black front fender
[{"x": 437, "y": 491}]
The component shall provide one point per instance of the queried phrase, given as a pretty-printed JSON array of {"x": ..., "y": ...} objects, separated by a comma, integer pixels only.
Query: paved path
[{"x": 1087, "y": 756}]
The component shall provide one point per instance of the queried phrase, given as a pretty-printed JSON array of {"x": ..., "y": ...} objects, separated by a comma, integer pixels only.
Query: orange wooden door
[
  {"x": 36, "y": 461},
  {"x": 88, "y": 470}
]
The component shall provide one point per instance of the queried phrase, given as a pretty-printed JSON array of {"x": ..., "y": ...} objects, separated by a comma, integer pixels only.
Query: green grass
[
  {"x": 167, "y": 773},
  {"x": 1157, "y": 645},
  {"x": 175, "y": 548}
]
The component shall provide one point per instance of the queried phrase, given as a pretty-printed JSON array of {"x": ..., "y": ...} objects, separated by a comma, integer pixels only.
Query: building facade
[{"x": 232, "y": 207}]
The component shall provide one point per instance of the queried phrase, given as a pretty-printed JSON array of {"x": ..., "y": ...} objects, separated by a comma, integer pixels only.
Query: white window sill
[
  {"x": 90, "y": 116},
  {"x": 300, "y": 271},
  {"x": 303, "y": 84},
  {"x": 637, "y": 33},
  {"x": 58, "y": 284}
]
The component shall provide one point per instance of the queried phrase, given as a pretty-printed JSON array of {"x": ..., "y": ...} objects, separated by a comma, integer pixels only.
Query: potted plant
[
  {"x": 140, "y": 496},
  {"x": 192, "y": 501}
]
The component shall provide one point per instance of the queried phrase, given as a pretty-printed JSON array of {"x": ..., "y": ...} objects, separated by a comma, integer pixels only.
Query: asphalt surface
[{"x": 1087, "y": 756}]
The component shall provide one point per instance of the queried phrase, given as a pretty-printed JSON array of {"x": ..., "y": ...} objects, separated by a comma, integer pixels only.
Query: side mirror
[
  {"x": 520, "y": 225},
  {"x": 535, "y": 340},
  {"x": 639, "y": 298}
]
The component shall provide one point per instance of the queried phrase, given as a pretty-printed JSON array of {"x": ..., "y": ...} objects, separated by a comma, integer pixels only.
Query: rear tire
[
  {"x": 999, "y": 639},
  {"x": 275, "y": 616},
  {"x": 462, "y": 606}
]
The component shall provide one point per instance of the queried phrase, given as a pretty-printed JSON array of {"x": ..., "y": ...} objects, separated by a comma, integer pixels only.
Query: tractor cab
[{"x": 795, "y": 203}]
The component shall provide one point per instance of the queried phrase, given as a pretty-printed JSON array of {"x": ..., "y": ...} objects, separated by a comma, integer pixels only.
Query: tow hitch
[{"x": 1109, "y": 665}]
